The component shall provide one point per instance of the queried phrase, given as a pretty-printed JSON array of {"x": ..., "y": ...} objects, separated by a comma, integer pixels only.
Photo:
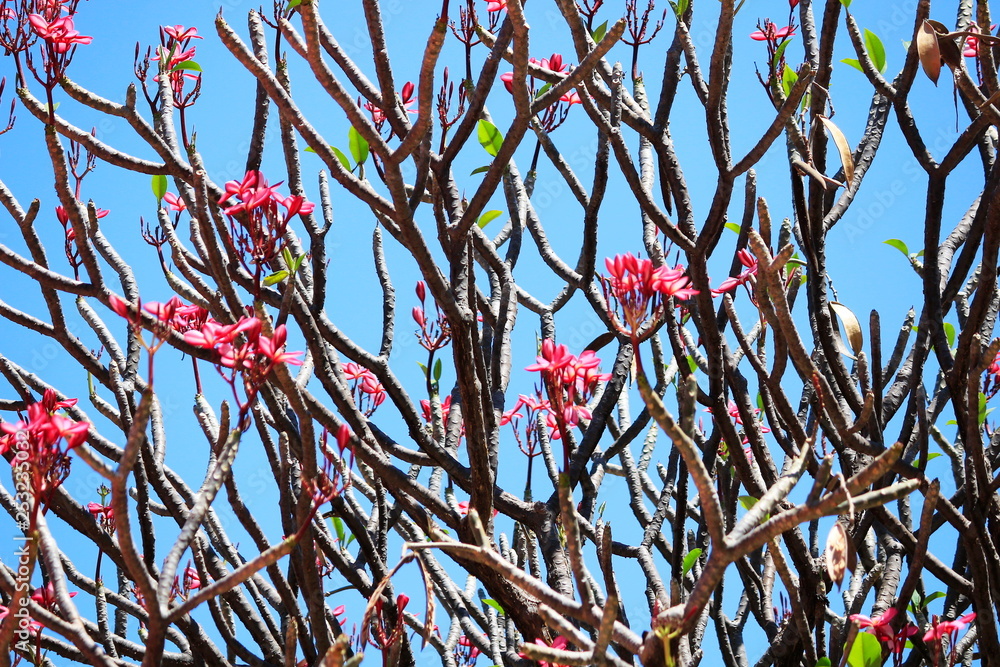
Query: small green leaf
[
  {"x": 358, "y": 146},
  {"x": 692, "y": 364},
  {"x": 748, "y": 502},
  {"x": 824, "y": 662},
  {"x": 343, "y": 158},
  {"x": 853, "y": 62},
  {"x": 845, "y": 3},
  {"x": 930, "y": 457},
  {"x": 733, "y": 227},
  {"x": 488, "y": 217},
  {"x": 493, "y": 603},
  {"x": 489, "y": 137},
  {"x": 780, "y": 51},
  {"x": 788, "y": 79},
  {"x": 949, "y": 332},
  {"x": 600, "y": 31},
  {"x": 898, "y": 245},
  {"x": 275, "y": 277},
  {"x": 680, "y": 7},
  {"x": 297, "y": 263},
  {"x": 544, "y": 89},
  {"x": 866, "y": 651},
  {"x": 760, "y": 401},
  {"x": 983, "y": 412},
  {"x": 930, "y": 598},
  {"x": 286, "y": 255},
  {"x": 188, "y": 65},
  {"x": 875, "y": 50},
  {"x": 437, "y": 370},
  {"x": 690, "y": 559},
  {"x": 159, "y": 184},
  {"x": 338, "y": 527},
  {"x": 423, "y": 368},
  {"x": 479, "y": 170},
  {"x": 292, "y": 4}
]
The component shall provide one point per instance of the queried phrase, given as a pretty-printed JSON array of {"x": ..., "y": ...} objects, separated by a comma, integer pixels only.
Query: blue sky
[{"x": 867, "y": 274}]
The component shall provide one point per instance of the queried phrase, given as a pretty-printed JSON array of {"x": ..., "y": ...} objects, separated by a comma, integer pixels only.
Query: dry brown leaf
[
  {"x": 852, "y": 327},
  {"x": 837, "y": 546},
  {"x": 844, "y": 148},
  {"x": 929, "y": 51}
]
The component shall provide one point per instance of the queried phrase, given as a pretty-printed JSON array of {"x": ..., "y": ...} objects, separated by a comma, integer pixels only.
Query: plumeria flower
[
  {"x": 559, "y": 642},
  {"x": 948, "y": 628},
  {"x": 180, "y": 33},
  {"x": 496, "y": 5},
  {"x": 60, "y": 33},
  {"x": 174, "y": 202},
  {"x": 772, "y": 33},
  {"x": 747, "y": 276}
]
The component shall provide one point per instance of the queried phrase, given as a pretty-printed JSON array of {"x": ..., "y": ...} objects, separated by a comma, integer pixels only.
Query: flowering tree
[{"x": 773, "y": 425}]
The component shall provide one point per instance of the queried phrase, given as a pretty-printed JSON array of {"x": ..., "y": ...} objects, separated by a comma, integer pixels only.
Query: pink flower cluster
[
  {"x": 570, "y": 381},
  {"x": 60, "y": 33},
  {"x": 43, "y": 443},
  {"x": 256, "y": 225},
  {"x": 637, "y": 291},
  {"x": 406, "y": 95},
  {"x": 554, "y": 63},
  {"x": 365, "y": 386}
]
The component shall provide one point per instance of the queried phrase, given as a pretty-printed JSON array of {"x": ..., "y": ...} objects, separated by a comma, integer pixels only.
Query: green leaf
[
  {"x": 358, "y": 146},
  {"x": 544, "y": 89},
  {"x": 345, "y": 163},
  {"x": 423, "y": 368},
  {"x": 845, "y": 3},
  {"x": 680, "y": 7},
  {"x": 488, "y": 217},
  {"x": 690, "y": 559},
  {"x": 760, "y": 401},
  {"x": 479, "y": 170},
  {"x": 788, "y": 79},
  {"x": 600, "y": 31},
  {"x": 748, "y": 502},
  {"x": 493, "y": 603},
  {"x": 780, "y": 51},
  {"x": 437, "y": 370},
  {"x": 866, "y": 651},
  {"x": 292, "y": 4},
  {"x": 489, "y": 137},
  {"x": 875, "y": 50},
  {"x": 286, "y": 255},
  {"x": 692, "y": 364},
  {"x": 275, "y": 277},
  {"x": 733, "y": 227},
  {"x": 338, "y": 527},
  {"x": 159, "y": 184},
  {"x": 949, "y": 332},
  {"x": 188, "y": 65},
  {"x": 930, "y": 598},
  {"x": 853, "y": 62},
  {"x": 898, "y": 245},
  {"x": 824, "y": 662},
  {"x": 297, "y": 263},
  {"x": 930, "y": 457},
  {"x": 983, "y": 412}
]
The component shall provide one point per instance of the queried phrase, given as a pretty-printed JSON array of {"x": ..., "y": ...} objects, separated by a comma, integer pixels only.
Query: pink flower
[
  {"x": 554, "y": 63},
  {"x": 180, "y": 33},
  {"x": 496, "y": 5},
  {"x": 463, "y": 508},
  {"x": 60, "y": 33},
  {"x": 553, "y": 357},
  {"x": 940, "y": 629},
  {"x": 748, "y": 275},
  {"x": 174, "y": 202},
  {"x": 557, "y": 643},
  {"x": 971, "y": 49},
  {"x": 572, "y": 97},
  {"x": 772, "y": 33}
]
